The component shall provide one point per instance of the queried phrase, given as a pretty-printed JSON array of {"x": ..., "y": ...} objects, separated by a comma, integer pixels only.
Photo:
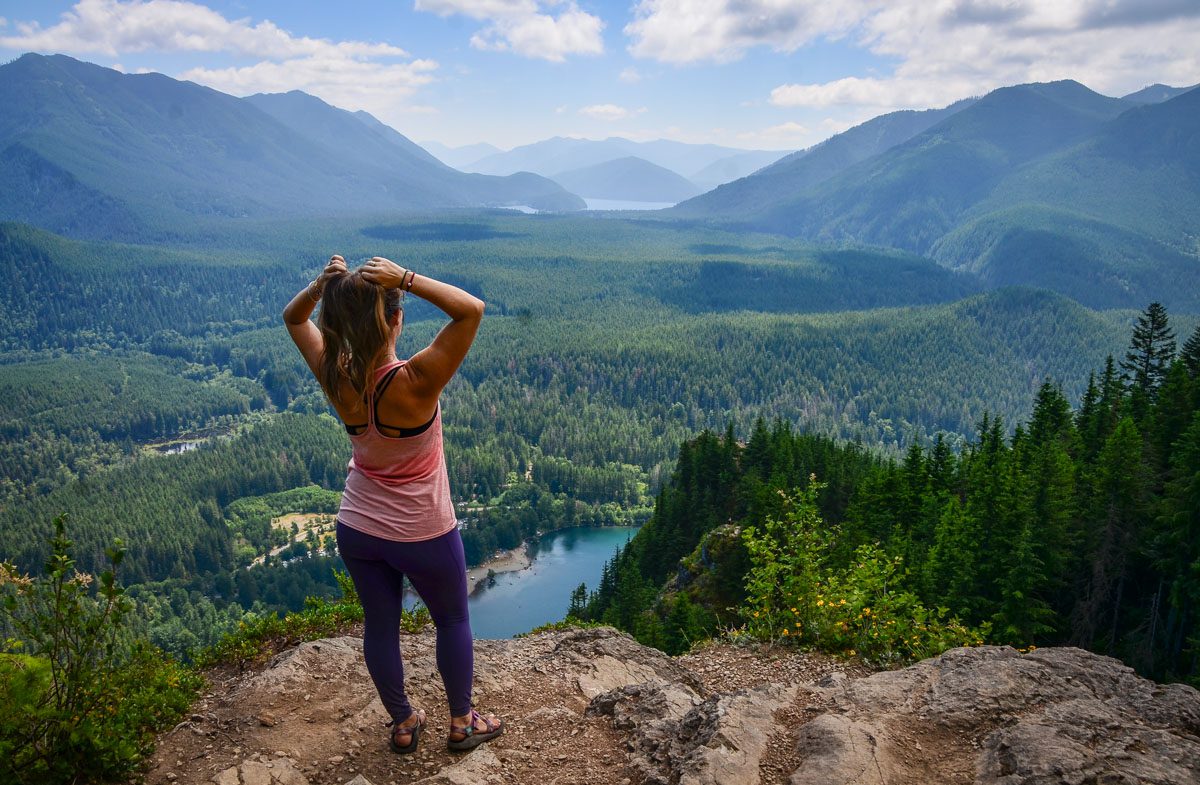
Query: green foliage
[
  {"x": 82, "y": 698},
  {"x": 798, "y": 592},
  {"x": 257, "y": 638},
  {"x": 568, "y": 623}
]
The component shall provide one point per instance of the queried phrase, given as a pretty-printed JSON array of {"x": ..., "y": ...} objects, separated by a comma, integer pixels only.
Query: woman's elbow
[{"x": 477, "y": 307}]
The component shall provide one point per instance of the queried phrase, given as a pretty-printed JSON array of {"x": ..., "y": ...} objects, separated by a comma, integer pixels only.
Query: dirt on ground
[{"x": 594, "y": 707}]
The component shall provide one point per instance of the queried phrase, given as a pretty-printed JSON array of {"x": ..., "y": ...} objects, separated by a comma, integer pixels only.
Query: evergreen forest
[
  {"x": 1079, "y": 527},
  {"x": 151, "y": 395}
]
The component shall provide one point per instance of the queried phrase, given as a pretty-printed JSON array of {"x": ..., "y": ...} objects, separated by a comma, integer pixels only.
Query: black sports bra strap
[{"x": 387, "y": 379}]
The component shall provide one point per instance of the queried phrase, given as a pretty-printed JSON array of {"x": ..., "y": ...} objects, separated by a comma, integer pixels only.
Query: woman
[{"x": 396, "y": 517}]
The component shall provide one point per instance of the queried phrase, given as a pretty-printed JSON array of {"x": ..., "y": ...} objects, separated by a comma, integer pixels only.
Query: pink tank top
[{"x": 397, "y": 487}]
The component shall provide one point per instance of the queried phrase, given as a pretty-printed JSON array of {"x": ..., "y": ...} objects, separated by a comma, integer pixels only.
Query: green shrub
[
  {"x": 569, "y": 623},
  {"x": 257, "y": 638},
  {"x": 80, "y": 700},
  {"x": 863, "y": 609}
]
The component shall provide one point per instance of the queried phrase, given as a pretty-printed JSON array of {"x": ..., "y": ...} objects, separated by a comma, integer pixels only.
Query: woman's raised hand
[
  {"x": 384, "y": 272},
  {"x": 335, "y": 266}
]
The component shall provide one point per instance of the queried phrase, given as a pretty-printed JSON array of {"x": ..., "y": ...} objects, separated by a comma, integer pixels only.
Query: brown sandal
[{"x": 472, "y": 736}]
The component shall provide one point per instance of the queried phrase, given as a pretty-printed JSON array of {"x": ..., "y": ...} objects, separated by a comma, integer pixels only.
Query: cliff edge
[{"x": 594, "y": 706}]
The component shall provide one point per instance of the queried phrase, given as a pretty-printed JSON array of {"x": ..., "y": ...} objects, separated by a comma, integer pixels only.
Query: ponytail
[{"x": 354, "y": 326}]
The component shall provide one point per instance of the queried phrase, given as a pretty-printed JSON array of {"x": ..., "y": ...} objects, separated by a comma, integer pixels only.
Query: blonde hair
[{"x": 354, "y": 325}]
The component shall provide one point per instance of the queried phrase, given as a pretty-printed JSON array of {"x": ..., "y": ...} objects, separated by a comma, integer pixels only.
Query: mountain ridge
[{"x": 167, "y": 152}]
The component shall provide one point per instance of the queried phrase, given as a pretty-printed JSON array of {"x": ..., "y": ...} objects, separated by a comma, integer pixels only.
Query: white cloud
[
  {"x": 350, "y": 74},
  {"x": 630, "y": 75},
  {"x": 349, "y": 84},
  {"x": 684, "y": 31},
  {"x": 115, "y": 27},
  {"x": 610, "y": 112},
  {"x": 943, "y": 50},
  {"x": 521, "y": 26},
  {"x": 785, "y": 135}
]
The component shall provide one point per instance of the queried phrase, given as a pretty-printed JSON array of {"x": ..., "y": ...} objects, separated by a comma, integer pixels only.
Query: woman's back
[{"x": 397, "y": 487}]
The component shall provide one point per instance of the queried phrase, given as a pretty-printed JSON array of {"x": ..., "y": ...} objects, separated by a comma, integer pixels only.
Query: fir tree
[
  {"x": 1191, "y": 353},
  {"x": 1150, "y": 352}
]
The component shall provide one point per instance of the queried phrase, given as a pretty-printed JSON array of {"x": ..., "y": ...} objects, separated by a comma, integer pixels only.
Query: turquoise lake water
[{"x": 519, "y": 601}]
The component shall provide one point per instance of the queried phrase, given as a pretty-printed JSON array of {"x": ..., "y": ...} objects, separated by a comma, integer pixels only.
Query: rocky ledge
[{"x": 594, "y": 706}]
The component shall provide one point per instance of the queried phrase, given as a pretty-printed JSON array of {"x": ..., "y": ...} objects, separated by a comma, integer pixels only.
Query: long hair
[{"x": 354, "y": 325}]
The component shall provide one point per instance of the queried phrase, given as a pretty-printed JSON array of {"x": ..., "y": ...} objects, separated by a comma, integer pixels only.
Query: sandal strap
[
  {"x": 471, "y": 730},
  {"x": 395, "y": 722}
]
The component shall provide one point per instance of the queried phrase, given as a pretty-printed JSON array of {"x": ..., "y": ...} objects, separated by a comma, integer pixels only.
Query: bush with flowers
[
  {"x": 80, "y": 700},
  {"x": 797, "y": 593}
]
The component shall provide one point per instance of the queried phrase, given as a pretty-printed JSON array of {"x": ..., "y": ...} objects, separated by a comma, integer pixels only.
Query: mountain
[
  {"x": 1042, "y": 184},
  {"x": 913, "y": 193},
  {"x": 1157, "y": 93},
  {"x": 460, "y": 157},
  {"x": 629, "y": 178},
  {"x": 89, "y": 151},
  {"x": 561, "y": 154},
  {"x": 803, "y": 169},
  {"x": 733, "y": 167}
]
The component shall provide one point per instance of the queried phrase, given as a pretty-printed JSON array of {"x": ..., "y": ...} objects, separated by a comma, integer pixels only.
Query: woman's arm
[
  {"x": 432, "y": 368},
  {"x": 297, "y": 313}
]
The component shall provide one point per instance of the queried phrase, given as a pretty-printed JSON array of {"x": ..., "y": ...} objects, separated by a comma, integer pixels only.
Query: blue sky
[{"x": 766, "y": 74}]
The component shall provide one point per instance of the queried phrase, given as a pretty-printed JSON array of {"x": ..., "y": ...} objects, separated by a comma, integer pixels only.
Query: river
[{"x": 519, "y": 601}]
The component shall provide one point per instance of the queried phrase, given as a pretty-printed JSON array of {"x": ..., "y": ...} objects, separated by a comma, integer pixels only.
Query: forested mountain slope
[
  {"x": 1049, "y": 185},
  {"x": 1083, "y": 528},
  {"x": 806, "y": 168},
  {"x": 89, "y": 151}
]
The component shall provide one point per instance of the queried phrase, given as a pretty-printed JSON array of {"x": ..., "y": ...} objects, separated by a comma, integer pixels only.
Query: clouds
[
  {"x": 610, "y": 112},
  {"x": 351, "y": 74},
  {"x": 936, "y": 51},
  {"x": 115, "y": 27},
  {"x": 521, "y": 27},
  {"x": 687, "y": 31}
]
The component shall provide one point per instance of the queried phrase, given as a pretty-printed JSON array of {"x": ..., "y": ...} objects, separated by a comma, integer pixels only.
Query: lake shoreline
[{"x": 514, "y": 560}]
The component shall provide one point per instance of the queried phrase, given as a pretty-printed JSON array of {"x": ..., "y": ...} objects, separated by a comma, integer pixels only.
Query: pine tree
[
  {"x": 578, "y": 605},
  {"x": 1191, "y": 353},
  {"x": 1150, "y": 352},
  {"x": 1179, "y": 548}
]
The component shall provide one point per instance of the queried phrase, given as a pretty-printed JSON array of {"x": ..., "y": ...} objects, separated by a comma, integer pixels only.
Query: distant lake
[
  {"x": 621, "y": 204},
  {"x": 519, "y": 601}
]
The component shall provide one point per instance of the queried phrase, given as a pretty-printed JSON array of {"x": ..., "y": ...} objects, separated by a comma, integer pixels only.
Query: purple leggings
[{"x": 437, "y": 570}]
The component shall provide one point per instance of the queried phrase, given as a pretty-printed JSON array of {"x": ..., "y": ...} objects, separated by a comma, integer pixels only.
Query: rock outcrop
[{"x": 594, "y": 706}]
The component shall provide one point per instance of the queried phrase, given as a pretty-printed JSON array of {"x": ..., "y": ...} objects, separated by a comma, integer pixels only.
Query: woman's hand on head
[
  {"x": 384, "y": 272},
  {"x": 335, "y": 266}
]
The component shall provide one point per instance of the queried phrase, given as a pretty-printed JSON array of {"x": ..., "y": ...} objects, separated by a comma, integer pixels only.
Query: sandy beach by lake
[{"x": 509, "y": 561}]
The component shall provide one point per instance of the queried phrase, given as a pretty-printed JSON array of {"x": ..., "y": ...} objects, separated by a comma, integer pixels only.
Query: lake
[
  {"x": 519, "y": 601},
  {"x": 624, "y": 204}
]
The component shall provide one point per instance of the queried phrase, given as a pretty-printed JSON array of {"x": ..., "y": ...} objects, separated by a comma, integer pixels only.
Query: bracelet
[
  {"x": 411, "y": 277},
  {"x": 316, "y": 298}
]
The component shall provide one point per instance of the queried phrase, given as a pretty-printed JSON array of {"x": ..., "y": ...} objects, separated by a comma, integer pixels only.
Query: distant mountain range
[
  {"x": 460, "y": 157},
  {"x": 705, "y": 165},
  {"x": 630, "y": 178},
  {"x": 89, "y": 151},
  {"x": 1046, "y": 184}
]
